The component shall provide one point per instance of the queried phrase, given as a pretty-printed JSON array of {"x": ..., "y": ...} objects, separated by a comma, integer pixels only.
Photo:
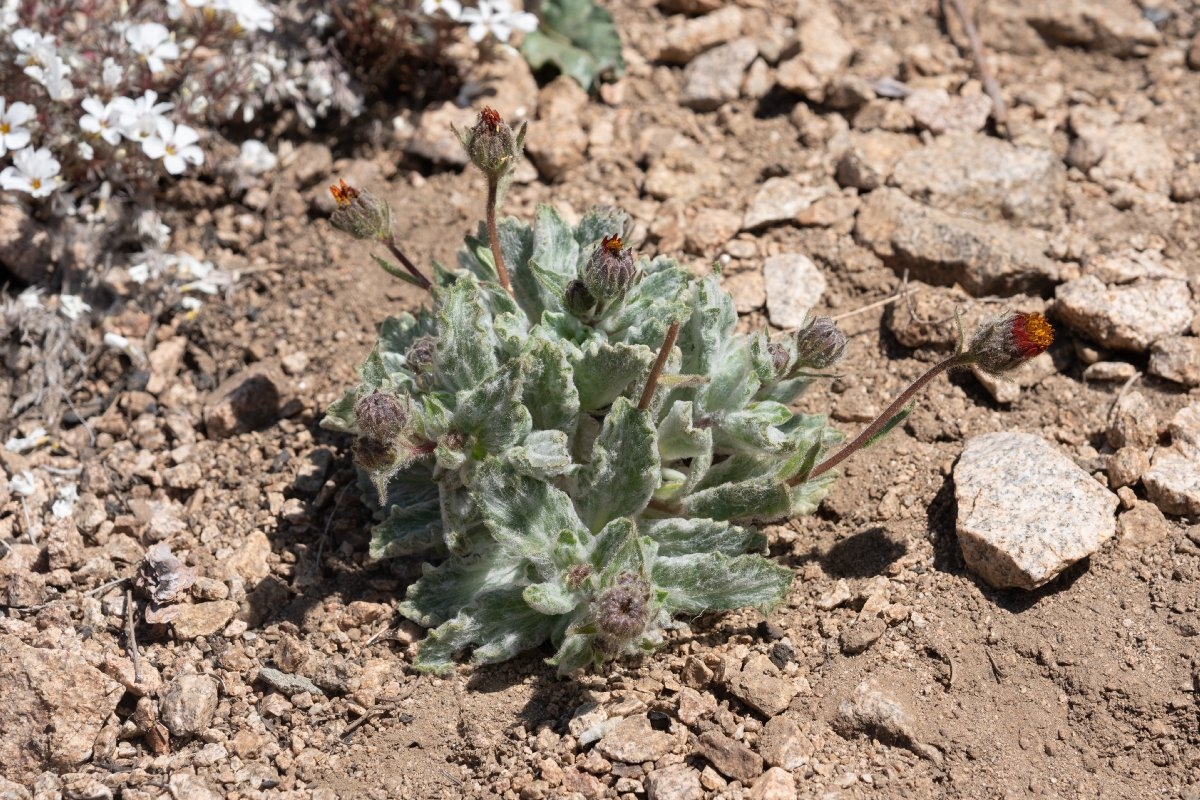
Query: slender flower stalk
[
  {"x": 365, "y": 216},
  {"x": 656, "y": 370},
  {"x": 493, "y": 234},
  {"x": 1000, "y": 344}
]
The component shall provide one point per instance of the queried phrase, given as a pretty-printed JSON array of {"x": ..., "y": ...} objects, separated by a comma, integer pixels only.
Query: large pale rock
[
  {"x": 984, "y": 177},
  {"x": 943, "y": 248},
  {"x": 1126, "y": 317},
  {"x": 634, "y": 741},
  {"x": 762, "y": 686},
  {"x": 188, "y": 704},
  {"x": 52, "y": 706},
  {"x": 1109, "y": 149},
  {"x": 687, "y": 38},
  {"x": 1176, "y": 358},
  {"x": 824, "y": 52},
  {"x": 1026, "y": 512},
  {"x": 780, "y": 200},
  {"x": 870, "y": 158},
  {"x": 940, "y": 112},
  {"x": 794, "y": 285}
]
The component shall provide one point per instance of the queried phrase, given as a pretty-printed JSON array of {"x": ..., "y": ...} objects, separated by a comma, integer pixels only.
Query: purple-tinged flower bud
[
  {"x": 380, "y": 415},
  {"x": 491, "y": 144},
  {"x": 374, "y": 455},
  {"x": 578, "y": 299},
  {"x": 819, "y": 345},
  {"x": 577, "y": 574},
  {"x": 360, "y": 213},
  {"x": 780, "y": 358},
  {"x": 422, "y": 354},
  {"x": 1004, "y": 342},
  {"x": 610, "y": 271},
  {"x": 622, "y": 610}
]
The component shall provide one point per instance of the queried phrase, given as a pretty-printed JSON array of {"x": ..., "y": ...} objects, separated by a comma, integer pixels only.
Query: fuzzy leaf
[
  {"x": 751, "y": 500},
  {"x": 678, "y": 436},
  {"x": 543, "y": 455},
  {"x": 650, "y": 307},
  {"x": 598, "y": 222},
  {"x": 574, "y": 653},
  {"x": 499, "y": 625},
  {"x": 808, "y": 495},
  {"x": 718, "y": 582},
  {"x": 550, "y": 598},
  {"x": 579, "y": 38},
  {"x": 708, "y": 331},
  {"x": 754, "y": 429},
  {"x": 624, "y": 469},
  {"x": 524, "y": 515},
  {"x": 554, "y": 247},
  {"x": 549, "y": 390},
  {"x": 732, "y": 383},
  {"x": 408, "y": 530},
  {"x": 679, "y": 537},
  {"x": 617, "y": 548},
  {"x": 603, "y": 371},
  {"x": 492, "y": 413},
  {"x": 442, "y": 590},
  {"x": 466, "y": 350}
]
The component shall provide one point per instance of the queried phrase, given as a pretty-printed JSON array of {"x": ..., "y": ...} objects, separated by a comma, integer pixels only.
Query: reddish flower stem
[
  {"x": 958, "y": 360},
  {"x": 409, "y": 265},
  {"x": 656, "y": 370},
  {"x": 493, "y": 234}
]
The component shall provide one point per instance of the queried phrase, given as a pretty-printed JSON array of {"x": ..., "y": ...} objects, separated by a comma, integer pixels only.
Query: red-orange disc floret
[
  {"x": 490, "y": 117},
  {"x": 343, "y": 192},
  {"x": 612, "y": 244},
  {"x": 1032, "y": 333}
]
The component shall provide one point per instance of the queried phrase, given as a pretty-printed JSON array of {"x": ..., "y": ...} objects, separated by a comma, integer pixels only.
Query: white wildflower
[
  {"x": 23, "y": 483},
  {"x": 452, "y": 8},
  {"x": 30, "y": 299},
  {"x": 102, "y": 119},
  {"x": 112, "y": 74},
  {"x": 33, "y": 171},
  {"x": 64, "y": 506},
  {"x": 256, "y": 158},
  {"x": 23, "y": 444},
  {"x": 152, "y": 43},
  {"x": 13, "y": 133},
  {"x": 496, "y": 17},
  {"x": 142, "y": 117},
  {"x": 175, "y": 145}
]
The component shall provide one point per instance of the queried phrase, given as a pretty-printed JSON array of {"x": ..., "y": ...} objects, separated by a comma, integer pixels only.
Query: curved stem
[
  {"x": 958, "y": 360},
  {"x": 494, "y": 236},
  {"x": 409, "y": 265},
  {"x": 656, "y": 370}
]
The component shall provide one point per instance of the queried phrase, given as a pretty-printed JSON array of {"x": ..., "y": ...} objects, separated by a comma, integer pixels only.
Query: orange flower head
[
  {"x": 1032, "y": 334},
  {"x": 1008, "y": 340},
  {"x": 343, "y": 192}
]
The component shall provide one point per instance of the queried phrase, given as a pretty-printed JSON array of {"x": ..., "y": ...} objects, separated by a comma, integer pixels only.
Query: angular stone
[
  {"x": 731, "y": 758},
  {"x": 1026, "y": 512},
  {"x": 940, "y": 112},
  {"x": 714, "y": 78},
  {"x": 824, "y": 52},
  {"x": 55, "y": 705},
  {"x": 780, "y": 200},
  {"x": 1132, "y": 422},
  {"x": 942, "y": 248},
  {"x": 872, "y": 713},
  {"x": 774, "y": 784},
  {"x": 794, "y": 284},
  {"x": 783, "y": 744},
  {"x": 202, "y": 619},
  {"x": 1111, "y": 150},
  {"x": 634, "y": 741},
  {"x": 871, "y": 157},
  {"x": 1173, "y": 480},
  {"x": 687, "y": 38},
  {"x": 1128, "y": 317},
  {"x": 188, "y": 704},
  {"x": 1113, "y": 26},
  {"x": 1126, "y": 467},
  {"x": 760, "y": 685},
  {"x": 246, "y": 401},
  {"x": 676, "y": 782},
  {"x": 859, "y": 637},
  {"x": 985, "y": 178},
  {"x": 1142, "y": 526},
  {"x": 25, "y": 244},
  {"x": 1177, "y": 359}
]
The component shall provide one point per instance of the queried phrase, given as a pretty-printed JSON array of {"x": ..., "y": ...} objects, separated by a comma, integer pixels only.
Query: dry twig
[
  {"x": 131, "y": 644},
  {"x": 999, "y": 107}
]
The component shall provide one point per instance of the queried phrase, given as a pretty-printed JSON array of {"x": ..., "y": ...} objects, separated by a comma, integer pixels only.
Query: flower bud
[
  {"x": 380, "y": 416},
  {"x": 780, "y": 358},
  {"x": 622, "y": 610},
  {"x": 374, "y": 455},
  {"x": 610, "y": 271},
  {"x": 819, "y": 345},
  {"x": 578, "y": 299},
  {"x": 1004, "y": 342},
  {"x": 360, "y": 213},
  {"x": 577, "y": 574},
  {"x": 491, "y": 144},
  {"x": 422, "y": 354}
]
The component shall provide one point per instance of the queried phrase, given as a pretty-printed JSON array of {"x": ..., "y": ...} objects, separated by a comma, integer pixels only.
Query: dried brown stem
[
  {"x": 999, "y": 108},
  {"x": 493, "y": 234},
  {"x": 409, "y": 266},
  {"x": 131, "y": 644},
  {"x": 656, "y": 370}
]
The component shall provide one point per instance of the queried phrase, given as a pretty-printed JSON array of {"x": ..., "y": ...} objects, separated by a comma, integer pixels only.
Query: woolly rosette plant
[{"x": 506, "y": 435}]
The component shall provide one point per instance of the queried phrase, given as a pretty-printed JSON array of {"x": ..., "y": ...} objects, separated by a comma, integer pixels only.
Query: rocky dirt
[{"x": 854, "y": 134}]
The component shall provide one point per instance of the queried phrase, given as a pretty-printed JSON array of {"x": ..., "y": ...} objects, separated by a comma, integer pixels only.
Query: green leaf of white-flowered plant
[
  {"x": 525, "y": 516},
  {"x": 680, "y": 537},
  {"x": 579, "y": 38},
  {"x": 550, "y": 598},
  {"x": 543, "y": 455},
  {"x": 808, "y": 495},
  {"x": 719, "y": 582},
  {"x": 603, "y": 371},
  {"x": 624, "y": 469},
  {"x": 466, "y": 349}
]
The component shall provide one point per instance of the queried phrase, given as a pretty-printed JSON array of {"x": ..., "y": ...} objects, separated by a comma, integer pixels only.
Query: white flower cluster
[{"x": 489, "y": 17}]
